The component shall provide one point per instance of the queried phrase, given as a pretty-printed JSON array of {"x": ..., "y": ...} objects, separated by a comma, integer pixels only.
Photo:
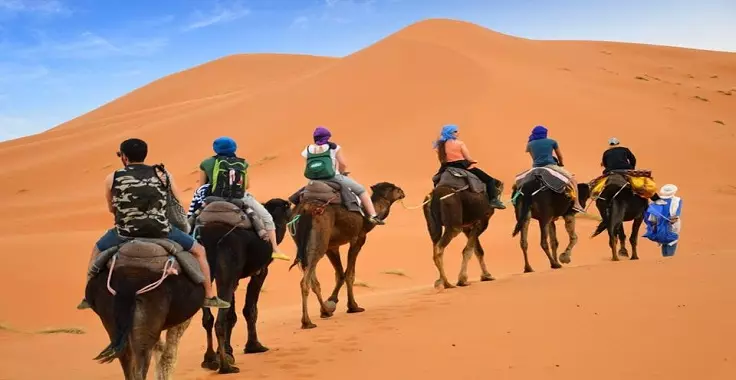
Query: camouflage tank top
[{"x": 139, "y": 200}]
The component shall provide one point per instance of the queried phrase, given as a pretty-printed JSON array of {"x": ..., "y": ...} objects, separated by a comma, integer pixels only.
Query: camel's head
[
  {"x": 387, "y": 191},
  {"x": 583, "y": 193},
  {"x": 280, "y": 210}
]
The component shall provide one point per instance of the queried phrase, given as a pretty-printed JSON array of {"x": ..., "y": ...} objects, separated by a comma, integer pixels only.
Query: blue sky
[{"x": 62, "y": 58}]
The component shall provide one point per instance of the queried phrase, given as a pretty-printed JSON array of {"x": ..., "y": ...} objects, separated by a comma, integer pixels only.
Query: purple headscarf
[
  {"x": 321, "y": 136},
  {"x": 539, "y": 132}
]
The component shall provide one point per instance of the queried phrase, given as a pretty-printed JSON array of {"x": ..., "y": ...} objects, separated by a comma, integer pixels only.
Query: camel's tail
[
  {"x": 524, "y": 207},
  {"x": 303, "y": 230},
  {"x": 123, "y": 311},
  {"x": 433, "y": 216},
  {"x": 612, "y": 217}
]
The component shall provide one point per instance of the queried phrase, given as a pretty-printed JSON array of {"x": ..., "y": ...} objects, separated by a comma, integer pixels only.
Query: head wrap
[
  {"x": 321, "y": 136},
  {"x": 447, "y": 133},
  {"x": 539, "y": 132},
  {"x": 224, "y": 146}
]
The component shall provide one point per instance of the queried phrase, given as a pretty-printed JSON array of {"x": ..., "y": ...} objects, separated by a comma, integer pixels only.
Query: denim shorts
[{"x": 111, "y": 239}]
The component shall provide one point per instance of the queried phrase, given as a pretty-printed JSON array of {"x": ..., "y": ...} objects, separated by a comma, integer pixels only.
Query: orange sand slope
[{"x": 674, "y": 107}]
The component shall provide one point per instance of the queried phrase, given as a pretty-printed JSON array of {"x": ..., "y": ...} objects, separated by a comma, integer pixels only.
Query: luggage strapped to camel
[
  {"x": 640, "y": 180},
  {"x": 232, "y": 212}
]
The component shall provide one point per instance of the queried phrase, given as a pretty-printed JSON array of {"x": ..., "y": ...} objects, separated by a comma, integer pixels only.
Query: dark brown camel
[
  {"x": 458, "y": 210},
  {"x": 618, "y": 203},
  {"x": 320, "y": 230},
  {"x": 540, "y": 202},
  {"x": 134, "y": 322},
  {"x": 234, "y": 254}
]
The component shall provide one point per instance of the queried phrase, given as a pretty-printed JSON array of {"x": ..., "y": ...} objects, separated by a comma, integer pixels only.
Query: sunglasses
[{"x": 118, "y": 154}]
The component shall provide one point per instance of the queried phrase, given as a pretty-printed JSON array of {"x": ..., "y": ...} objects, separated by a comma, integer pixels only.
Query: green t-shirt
[{"x": 208, "y": 166}]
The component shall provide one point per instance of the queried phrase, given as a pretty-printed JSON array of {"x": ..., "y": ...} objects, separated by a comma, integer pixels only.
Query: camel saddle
[
  {"x": 641, "y": 182},
  {"x": 151, "y": 254},
  {"x": 222, "y": 211},
  {"x": 551, "y": 178},
  {"x": 329, "y": 192},
  {"x": 460, "y": 179}
]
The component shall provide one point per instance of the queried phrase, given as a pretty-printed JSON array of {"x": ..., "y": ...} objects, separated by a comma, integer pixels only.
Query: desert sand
[{"x": 654, "y": 318}]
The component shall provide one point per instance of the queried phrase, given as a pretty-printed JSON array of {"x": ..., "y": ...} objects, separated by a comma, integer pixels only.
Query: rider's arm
[
  {"x": 247, "y": 181},
  {"x": 108, "y": 193},
  {"x": 341, "y": 165},
  {"x": 202, "y": 177},
  {"x": 558, "y": 152},
  {"x": 631, "y": 157}
]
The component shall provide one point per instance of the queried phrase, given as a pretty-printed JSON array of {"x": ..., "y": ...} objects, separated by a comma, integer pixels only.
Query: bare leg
[
  {"x": 277, "y": 254},
  {"x": 369, "y": 208}
]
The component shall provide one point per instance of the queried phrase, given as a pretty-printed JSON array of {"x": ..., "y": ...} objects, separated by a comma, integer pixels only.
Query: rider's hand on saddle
[{"x": 345, "y": 173}]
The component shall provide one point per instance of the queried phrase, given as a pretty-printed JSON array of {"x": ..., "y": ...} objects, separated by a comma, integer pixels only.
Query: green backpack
[
  {"x": 228, "y": 177},
  {"x": 319, "y": 165}
]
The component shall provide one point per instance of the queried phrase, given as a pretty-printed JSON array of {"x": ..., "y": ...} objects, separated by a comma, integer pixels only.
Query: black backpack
[{"x": 228, "y": 177}]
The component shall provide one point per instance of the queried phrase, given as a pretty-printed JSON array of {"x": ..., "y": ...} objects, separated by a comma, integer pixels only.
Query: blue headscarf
[
  {"x": 224, "y": 146},
  {"x": 539, "y": 132},
  {"x": 448, "y": 133}
]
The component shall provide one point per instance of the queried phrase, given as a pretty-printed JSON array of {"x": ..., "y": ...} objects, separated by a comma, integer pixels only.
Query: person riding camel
[
  {"x": 452, "y": 152},
  {"x": 325, "y": 161},
  {"x": 216, "y": 171},
  {"x": 617, "y": 157},
  {"x": 540, "y": 148},
  {"x": 137, "y": 197}
]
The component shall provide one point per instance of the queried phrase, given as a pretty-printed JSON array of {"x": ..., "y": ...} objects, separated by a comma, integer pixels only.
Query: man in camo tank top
[{"x": 137, "y": 197}]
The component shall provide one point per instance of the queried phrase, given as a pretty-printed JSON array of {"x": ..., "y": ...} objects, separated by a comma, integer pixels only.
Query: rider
[
  {"x": 617, "y": 157},
  {"x": 136, "y": 196},
  {"x": 453, "y": 152},
  {"x": 215, "y": 168},
  {"x": 335, "y": 169},
  {"x": 540, "y": 148}
]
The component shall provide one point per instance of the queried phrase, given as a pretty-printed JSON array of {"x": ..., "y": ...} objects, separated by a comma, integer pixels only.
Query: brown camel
[
  {"x": 321, "y": 228},
  {"x": 458, "y": 205},
  {"x": 544, "y": 198}
]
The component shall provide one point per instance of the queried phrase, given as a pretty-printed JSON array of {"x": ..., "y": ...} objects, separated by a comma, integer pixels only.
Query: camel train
[{"x": 146, "y": 285}]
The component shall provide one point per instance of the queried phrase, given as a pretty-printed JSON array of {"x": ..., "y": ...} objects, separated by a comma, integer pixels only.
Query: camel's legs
[
  {"x": 127, "y": 363},
  {"x": 622, "y": 240},
  {"x": 250, "y": 311},
  {"x": 480, "y": 255},
  {"x": 633, "y": 239},
  {"x": 226, "y": 291},
  {"x": 524, "y": 243},
  {"x": 324, "y": 310},
  {"x": 305, "y": 285},
  {"x": 572, "y": 236},
  {"x": 439, "y": 252},
  {"x": 553, "y": 242},
  {"x": 210, "y": 360},
  {"x": 232, "y": 319},
  {"x": 333, "y": 254},
  {"x": 544, "y": 234},
  {"x": 166, "y": 363},
  {"x": 353, "y": 251},
  {"x": 468, "y": 252},
  {"x": 615, "y": 219},
  {"x": 319, "y": 238}
]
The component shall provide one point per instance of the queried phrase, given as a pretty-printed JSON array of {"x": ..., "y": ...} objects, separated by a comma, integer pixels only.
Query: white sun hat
[
  {"x": 667, "y": 191},
  {"x": 613, "y": 141}
]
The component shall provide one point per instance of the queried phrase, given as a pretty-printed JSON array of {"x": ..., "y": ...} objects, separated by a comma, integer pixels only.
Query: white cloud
[
  {"x": 218, "y": 15},
  {"x": 90, "y": 46},
  {"x": 34, "y": 6}
]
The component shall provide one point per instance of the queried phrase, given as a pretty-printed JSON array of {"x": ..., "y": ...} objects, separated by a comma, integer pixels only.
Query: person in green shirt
[{"x": 227, "y": 175}]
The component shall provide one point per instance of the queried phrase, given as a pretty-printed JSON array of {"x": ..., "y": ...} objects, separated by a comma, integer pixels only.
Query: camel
[
  {"x": 618, "y": 203},
  {"x": 459, "y": 204},
  {"x": 543, "y": 197},
  {"x": 325, "y": 225},
  {"x": 134, "y": 322},
  {"x": 233, "y": 254}
]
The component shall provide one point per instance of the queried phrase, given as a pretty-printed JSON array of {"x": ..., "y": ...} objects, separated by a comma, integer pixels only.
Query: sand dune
[{"x": 385, "y": 103}]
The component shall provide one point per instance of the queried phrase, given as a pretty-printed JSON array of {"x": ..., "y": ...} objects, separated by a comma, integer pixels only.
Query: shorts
[{"x": 111, "y": 238}]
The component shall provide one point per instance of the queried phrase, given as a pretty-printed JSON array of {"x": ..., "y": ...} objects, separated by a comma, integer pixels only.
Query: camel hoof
[
  {"x": 330, "y": 306},
  {"x": 624, "y": 253},
  {"x": 228, "y": 369},
  {"x": 255, "y": 348},
  {"x": 230, "y": 359},
  {"x": 307, "y": 326},
  {"x": 528, "y": 270},
  {"x": 556, "y": 266},
  {"x": 355, "y": 309},
  {"x": 487, "y": 278},
  {"x": 614, "y": 258},
  {"x": 440, "y": 284},
  {"x": 211, "y": 365},
  {"x": 634, "y": 258},
  {"x": 463, "y": 283},
  {"x": 324, "y": 314},
  {"x": 565, "y": 259}
]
